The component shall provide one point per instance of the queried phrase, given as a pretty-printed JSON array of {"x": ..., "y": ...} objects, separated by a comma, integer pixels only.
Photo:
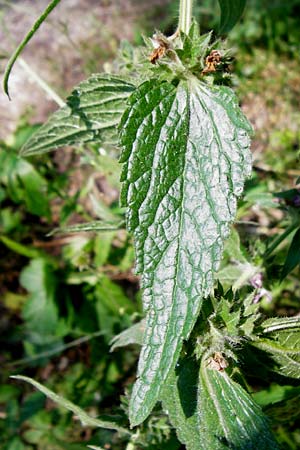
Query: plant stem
[{"x": 185, "y": 15}]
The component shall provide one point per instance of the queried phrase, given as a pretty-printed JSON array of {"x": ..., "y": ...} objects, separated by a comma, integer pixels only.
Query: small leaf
[
  {"x": 40, "y": 311},
  {"x": 211, "y": 411},
  {"x": 186, "y": 156},
  {"x": 84, "y": 418},
  {"x": 97, "y": 225},
  {"x": 92, "y": 113},
  {"x": 280, "y": 342},
  {"x": 275, "y": 393},
  {"x": 280, "y": 358},
  {"x": 25, "y": 250},
  {"x": 293, "y": 256},
  {"x": 24, "y": 42},
  {"x": 231, "y": 11},
  {"x": 281, "y": 324},
  {"x": 24, "y": 184},
  {"x": 133, "y": 335}
]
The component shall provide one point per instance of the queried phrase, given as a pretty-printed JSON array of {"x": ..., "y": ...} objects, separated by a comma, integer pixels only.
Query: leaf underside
[
  {"x": 214, "y": 412},
  {"x": 92, "y": 114},
  {"x": 186, "y": 156}
]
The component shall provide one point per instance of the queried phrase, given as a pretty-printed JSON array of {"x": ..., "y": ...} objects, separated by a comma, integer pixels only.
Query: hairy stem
[{"x": 185, "y": 15}]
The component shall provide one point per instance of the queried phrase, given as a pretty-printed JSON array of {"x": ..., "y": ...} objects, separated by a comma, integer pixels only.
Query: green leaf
[
  {"x": 40, "y": 311},
  {"x": 213, "y": 411},
  {"x": 228, "y": 417},
  {"x": 24, "y": 183},
  {"x": 293, "y": 256},
  {"x": 231, "y": 11},
  {"x": 186, "y": 156},
  {"x": 96, "y": 225},
  {"x": 92, "y": 114},
  {"x": 21, "y": 249},
  {"x": 194, "y": 45},
  {"x": 24, "y": 42},
  {"x": 280, "y": 341},
  {"x": 84, "y": 418},
  {"x": 278, "y": 325},
  {"x": 279, "y": 358},
  {"x": 179, "y": 401},
  {"x": 275, "y": 393},
  {"x": 133, "y": 335},
  {"x": 111, "y": 305}
]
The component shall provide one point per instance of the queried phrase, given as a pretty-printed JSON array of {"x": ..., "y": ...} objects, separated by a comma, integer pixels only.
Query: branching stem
[{"x": 185, "y": 15}]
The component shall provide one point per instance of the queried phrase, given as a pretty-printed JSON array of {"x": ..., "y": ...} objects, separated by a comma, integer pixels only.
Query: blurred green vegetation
[{"x": 64, "y": 297}]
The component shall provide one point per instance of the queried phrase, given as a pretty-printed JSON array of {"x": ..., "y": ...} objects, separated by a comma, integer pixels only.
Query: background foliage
[{"x": 65, "y": 296}]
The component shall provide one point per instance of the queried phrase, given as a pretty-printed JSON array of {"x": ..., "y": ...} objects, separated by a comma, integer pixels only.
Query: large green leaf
[
  {"x": 213, "y": 411},
  {"x": 92, "y": 113},
  {"x": 186, "y": 156},
  {"x": 231, "y": 11}
]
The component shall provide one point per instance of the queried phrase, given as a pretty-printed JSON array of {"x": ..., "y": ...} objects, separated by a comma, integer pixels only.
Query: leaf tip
[
  {"x": 16, "y": 377},
  {"x": 5, "y": 88}
]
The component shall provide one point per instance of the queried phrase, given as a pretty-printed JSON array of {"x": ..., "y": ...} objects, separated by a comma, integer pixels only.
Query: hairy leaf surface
[
  {"x": 186, "y": 156},
  {"x": 213, "y": 411},
  {"x": 281, "y": 341},
  {"x": 92, "y": 114}
]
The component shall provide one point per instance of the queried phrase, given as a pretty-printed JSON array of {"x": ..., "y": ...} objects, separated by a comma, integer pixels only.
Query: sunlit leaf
[
  {"x": 211, "y": 411},
  {"x": 133, "y": 335},
  {"x": 92, "y": 113},
  {"x": 280, "y": 340},
  {"x": 186, "y": 156}
]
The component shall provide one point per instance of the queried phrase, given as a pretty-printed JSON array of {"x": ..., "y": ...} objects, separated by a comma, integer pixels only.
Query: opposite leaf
[
  {"x": 186, "y": 156},
  {"x": 211, "y": 411},
  {"x": 228, "y": 418},
  {"x": 280, "y": 343},
  {"x": 92, "y": 113}
]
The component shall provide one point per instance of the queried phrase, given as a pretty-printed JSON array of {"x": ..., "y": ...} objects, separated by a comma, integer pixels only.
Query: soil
[{"x": 77, "y": 34}]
